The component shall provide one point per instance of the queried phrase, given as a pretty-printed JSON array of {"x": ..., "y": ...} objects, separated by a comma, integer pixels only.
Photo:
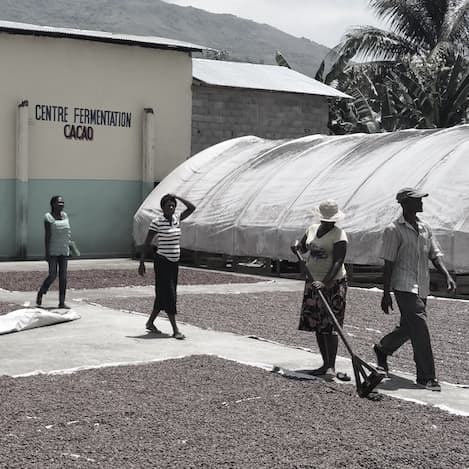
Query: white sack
[
  {"x": 29, "y": 318},
  {"x": 254, "y": 197}
]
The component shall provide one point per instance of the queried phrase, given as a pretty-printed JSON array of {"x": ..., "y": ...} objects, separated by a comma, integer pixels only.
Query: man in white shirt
[{"x": 408, "y": 244}]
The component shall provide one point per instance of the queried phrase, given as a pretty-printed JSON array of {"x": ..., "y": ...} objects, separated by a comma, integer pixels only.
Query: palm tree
[
  {"x": 425, "y": 51},
  {"x": 427, "y": 29}
]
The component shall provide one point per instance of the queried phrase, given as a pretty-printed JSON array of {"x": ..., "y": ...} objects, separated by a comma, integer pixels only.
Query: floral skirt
[{"x": 314, "y": 315}]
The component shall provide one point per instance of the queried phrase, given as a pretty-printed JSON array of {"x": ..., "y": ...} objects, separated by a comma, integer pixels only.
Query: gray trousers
[
  {"x": 413, "y": 326},
  {"x": 61, "y": 263}
]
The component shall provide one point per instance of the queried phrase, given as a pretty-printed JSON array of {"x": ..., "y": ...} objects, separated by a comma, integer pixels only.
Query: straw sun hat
[{"x": 328, "y": 210}]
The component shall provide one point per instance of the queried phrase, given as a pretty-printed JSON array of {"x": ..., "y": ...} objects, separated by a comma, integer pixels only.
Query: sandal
[
  {"x": 179, "y": 336},
  {"x": 152, "y": 328},
  {"x": 318, "y": 371},
  {"x": 342, "y": 376}
]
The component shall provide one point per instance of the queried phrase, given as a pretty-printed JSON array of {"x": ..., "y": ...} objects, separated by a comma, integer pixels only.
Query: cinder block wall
[{"x": 222, "y": 113}]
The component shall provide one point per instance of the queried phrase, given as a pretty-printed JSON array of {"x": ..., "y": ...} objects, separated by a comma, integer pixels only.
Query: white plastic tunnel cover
[{"x": 254, "y": 197}]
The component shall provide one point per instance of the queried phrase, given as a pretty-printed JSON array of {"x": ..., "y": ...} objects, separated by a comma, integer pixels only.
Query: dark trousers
[
  {"x": 55, "y": 262},
  {"x": 166, "y": 279},
  {"x": 413, "y": 326}
]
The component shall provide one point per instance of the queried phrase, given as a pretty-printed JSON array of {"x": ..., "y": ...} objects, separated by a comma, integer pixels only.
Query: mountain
[{"x": 243, "y": 39}]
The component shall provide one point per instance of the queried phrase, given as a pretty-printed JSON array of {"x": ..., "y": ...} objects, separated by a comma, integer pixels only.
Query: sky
[{"x": 322, "y": 21}]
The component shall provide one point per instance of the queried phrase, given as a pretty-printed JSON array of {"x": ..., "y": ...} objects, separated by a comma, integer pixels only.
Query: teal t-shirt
[{"x": 60, "y": 234}]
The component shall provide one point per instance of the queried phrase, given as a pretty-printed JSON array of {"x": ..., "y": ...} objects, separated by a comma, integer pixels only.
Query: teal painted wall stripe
[
  {"x": 101, "y": 215},
  {"x": 7, "y": 218},
  {"x": 147, "y": 187},
  {"x": 21, "y": 218}
]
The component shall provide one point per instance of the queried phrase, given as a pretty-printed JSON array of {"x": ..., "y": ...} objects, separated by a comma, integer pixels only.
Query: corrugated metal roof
[
  {"x": 98, "y": 36},
  {"x": 259, "y": 77}
]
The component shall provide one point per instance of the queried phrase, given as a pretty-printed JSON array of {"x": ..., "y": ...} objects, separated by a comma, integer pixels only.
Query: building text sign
[{"x": 80, "y": 121}]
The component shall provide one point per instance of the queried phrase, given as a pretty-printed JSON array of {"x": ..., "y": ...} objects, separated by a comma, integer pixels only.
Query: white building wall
[{"x": 100, "y": 179}]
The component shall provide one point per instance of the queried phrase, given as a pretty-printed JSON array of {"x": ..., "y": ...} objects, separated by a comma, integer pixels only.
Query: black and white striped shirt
[{"x": 167, "y": 237}]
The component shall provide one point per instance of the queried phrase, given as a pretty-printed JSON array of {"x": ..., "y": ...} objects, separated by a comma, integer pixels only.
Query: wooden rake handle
[{"x": 310, "y": 277}]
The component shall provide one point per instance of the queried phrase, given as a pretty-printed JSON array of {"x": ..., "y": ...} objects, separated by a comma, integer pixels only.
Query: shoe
[
  {"x": 179, "y": 336},
  {"x": 63, "y": 306},
  {"x": 381, "y": 359},
  {"x": 431, "y": 384},
  {"x": 39, "y": 299},
  {"x": 152, "y": 328}
]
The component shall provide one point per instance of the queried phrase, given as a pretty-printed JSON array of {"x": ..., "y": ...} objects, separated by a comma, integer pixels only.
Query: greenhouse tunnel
[{"x": 254, "y": 197}]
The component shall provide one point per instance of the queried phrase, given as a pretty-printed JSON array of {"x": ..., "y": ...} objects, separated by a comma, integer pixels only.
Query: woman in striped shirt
[{"x": 164, "y": 235}]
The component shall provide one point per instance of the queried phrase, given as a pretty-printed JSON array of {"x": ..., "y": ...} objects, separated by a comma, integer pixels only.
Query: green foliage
[
  {"x": 213, "y": 54},
  {"x": 418, "y": 71}
]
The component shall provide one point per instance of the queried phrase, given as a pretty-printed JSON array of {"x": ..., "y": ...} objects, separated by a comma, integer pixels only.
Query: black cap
[{"x": 410, "y": 193}]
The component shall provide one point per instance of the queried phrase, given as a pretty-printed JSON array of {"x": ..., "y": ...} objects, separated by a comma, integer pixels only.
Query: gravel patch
[
  {"x": 205, "y": 412},
  {"x": 274, "y": 316},
  {"x": 84, "y": 279},
  {"x": 6, "y": 307}
]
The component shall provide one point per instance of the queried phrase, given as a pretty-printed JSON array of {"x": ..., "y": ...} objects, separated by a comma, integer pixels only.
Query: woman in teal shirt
[{"x": 57, "y": 240}]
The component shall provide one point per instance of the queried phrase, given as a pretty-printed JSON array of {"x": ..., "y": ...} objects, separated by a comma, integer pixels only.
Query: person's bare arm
[
  {"x": 438, "y": 263},
  {"x": 386, "y": 301},
  {"x": 143, "y": 251},
  {"x": 300, "y": 244},
  {"x": 190, "y": 207},
  {"x": 47, "y": 236}
]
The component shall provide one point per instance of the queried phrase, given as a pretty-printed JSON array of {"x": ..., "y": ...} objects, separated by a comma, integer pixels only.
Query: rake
[{"x": 367, "y": 377}]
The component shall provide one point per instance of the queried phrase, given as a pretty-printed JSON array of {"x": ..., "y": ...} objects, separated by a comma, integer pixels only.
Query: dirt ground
[
  {"x": 84, "y": 279},
  {"x": 274, "y": 316},
  {"x": 205, "y": 412}
]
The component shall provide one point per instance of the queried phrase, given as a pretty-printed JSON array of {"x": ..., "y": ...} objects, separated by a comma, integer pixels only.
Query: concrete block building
[
  {"x": 233, "y": 99},
  {"x": 95, "y": 117}
]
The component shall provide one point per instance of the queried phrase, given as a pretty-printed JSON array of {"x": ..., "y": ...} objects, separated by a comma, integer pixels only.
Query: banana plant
[
  {"x": 418, "y": 68},
  {"x": 281, "y": 60},
  {"x": 416, "y": 96}
]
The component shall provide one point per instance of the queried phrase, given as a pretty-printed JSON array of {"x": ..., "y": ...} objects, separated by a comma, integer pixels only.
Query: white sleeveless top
[{"x": 321, "y": 251}]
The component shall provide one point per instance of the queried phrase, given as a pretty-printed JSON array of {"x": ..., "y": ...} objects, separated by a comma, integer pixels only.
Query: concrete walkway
[{"x": 103, "y": 337}]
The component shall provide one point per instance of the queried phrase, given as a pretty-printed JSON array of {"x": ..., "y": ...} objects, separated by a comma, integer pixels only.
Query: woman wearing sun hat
[{"x": 326, "y": 244}]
